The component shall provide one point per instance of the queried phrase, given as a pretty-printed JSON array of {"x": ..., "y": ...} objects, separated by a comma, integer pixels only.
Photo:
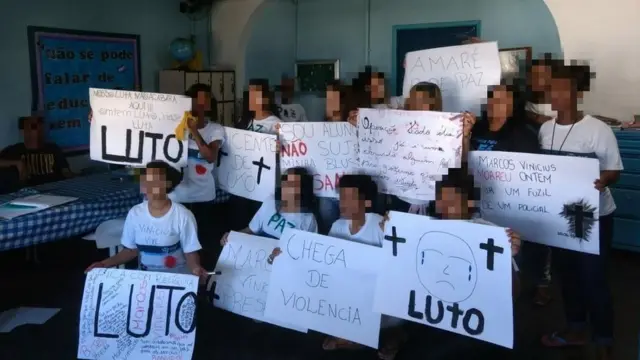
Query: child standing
[
  {"x": 262, "y": 110},
  {"x": 585, "y": 285},
  {"x": 161, "y": 232}
]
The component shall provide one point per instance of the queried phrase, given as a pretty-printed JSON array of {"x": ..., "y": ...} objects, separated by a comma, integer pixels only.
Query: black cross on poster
[
  {"x": 491, "y": 250},
  {"x": 260, "y": 164},
  {"x": 395, "y": 239}
]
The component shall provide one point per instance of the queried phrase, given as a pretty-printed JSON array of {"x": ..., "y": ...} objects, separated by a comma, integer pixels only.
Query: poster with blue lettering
[{"x": 65, "y": 64}]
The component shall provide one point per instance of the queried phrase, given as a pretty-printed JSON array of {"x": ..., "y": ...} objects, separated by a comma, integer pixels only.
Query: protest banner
[
  {"x": 130, "y": 314},
  {"x": 326, "y": 284},
  {"x": 243, "y": 283},
  {"x": 246, "y": 164},
  {"x": 547, "y": 199},
  {"x": 407, "y": 151},
  {"x": 461, "y": 72},
  {"x": 134, "y": 128},
  {"x": 451, "y": 275},
  {"x": 327, "y": 150}
]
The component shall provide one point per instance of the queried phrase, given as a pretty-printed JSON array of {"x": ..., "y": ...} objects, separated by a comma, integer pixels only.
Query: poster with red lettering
[
  {"x": 327, "y": 149},
  {"x": 142, "y": 315}
]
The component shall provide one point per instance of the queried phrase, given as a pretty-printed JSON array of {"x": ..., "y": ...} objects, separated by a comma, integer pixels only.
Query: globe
[{"x": 182, "y": 49}]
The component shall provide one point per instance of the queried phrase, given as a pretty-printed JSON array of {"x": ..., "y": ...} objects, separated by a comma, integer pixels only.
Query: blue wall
[
  {"x": 337, "y": 29},
  {"x": 156, "y": 21},
  {"x": 270, "y": 50}
]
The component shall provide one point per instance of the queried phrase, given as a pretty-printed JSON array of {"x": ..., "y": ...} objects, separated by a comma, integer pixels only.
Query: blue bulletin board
[
  {"x": 65, "y": 64},
  {"x": 408, "y": 38}
]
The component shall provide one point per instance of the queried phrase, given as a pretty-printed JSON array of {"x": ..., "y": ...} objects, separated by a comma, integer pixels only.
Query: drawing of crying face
[{"x": 446, "y": 266}]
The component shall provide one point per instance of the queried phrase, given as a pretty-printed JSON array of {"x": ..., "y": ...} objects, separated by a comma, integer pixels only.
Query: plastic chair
[{"x": 108, "y": 235}]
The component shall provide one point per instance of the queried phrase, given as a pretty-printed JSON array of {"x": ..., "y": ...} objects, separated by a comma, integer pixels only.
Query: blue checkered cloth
[{"x": 100, "y": 197}]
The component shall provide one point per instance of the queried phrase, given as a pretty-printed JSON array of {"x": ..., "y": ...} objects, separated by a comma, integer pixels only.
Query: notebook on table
[{"x": 31, "y": 204}]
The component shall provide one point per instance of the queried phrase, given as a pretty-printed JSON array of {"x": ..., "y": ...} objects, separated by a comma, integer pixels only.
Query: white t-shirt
[
  {"x": 292, "y": 113},
  {"x": 395, "y": 102},
  {"x": 265, "y": 126},
  {"x": 369, "y": 234},
  {"x": 270, "y": 222},
  {"x": 161, "y": 242},
  {"x": 590, "y": 138},
  {"x": 198, "y": 182}
]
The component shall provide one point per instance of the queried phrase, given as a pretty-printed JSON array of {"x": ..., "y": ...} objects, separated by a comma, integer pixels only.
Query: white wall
[{"x": 606, "y": 33}]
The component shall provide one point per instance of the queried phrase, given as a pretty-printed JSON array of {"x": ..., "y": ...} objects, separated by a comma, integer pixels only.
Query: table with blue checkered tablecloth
[{"x": 101, "y": 197}]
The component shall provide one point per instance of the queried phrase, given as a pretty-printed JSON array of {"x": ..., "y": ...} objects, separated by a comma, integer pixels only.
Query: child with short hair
[
  {"x": 163, "y": 233},
  {"x": 457, "y": 198},
  {"x": 358, "y": 223},
  {"x": 585, "y": 285}
]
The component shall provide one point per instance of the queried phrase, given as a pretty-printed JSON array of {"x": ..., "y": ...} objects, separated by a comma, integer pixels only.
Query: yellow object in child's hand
[{"x": 182, "y": 127}]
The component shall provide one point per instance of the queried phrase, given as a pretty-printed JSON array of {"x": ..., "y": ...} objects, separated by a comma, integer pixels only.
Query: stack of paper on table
[{"x": 31, "y": 204}]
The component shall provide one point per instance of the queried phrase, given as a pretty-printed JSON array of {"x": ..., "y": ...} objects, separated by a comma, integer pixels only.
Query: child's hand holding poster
[{"x": 452, "y": 275}]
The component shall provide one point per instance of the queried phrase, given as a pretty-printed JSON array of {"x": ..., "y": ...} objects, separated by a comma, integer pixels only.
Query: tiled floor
[{"x": 224, "y": 336}]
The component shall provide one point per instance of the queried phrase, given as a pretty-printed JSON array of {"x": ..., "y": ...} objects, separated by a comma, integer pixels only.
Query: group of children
[{"x": 507, "y": 123}]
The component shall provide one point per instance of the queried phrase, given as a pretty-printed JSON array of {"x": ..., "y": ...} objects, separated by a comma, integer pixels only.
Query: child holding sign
[
  {"x": 292, "y": 207},
  {"x": 359, "y": 224},
  {"x": 162, "y": 232},
  {"x": 458, "y": 199},
  {"x": 585, "y": 285},
  {"x": 262, "y": 110}
]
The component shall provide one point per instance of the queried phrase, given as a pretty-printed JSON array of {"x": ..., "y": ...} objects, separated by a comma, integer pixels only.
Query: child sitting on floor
[
  {"x": 458, "y": 199},
  {"x": 162, "y": 232}
]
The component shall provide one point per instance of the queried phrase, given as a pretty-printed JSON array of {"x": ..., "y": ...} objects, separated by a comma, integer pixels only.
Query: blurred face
[
  {"x": 287, "y": 86},
  {"x": 33, "y": 132},
  {"x": 154, "y": 184},
  {"x": 291, "y": 192},
  {"x": 422, "y": 101},
  {"x": 377, "y": 88},
  {"x": 333, "y": 104},
  {"x": 256, "y": 99},
  {"x": 351, "y": 204},
  {"x": 562, "y": 95},
  {"x": 500, "y": 103},
  {"x": 203, "y": 101},
  {"x": 540, "y": 78},
  {"x": 452, "y": 204}
]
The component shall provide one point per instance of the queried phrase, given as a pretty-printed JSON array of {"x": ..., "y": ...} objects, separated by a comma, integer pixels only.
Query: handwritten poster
[
  {"x": 134, "y": 128},
  {"x": 65, "y": 64},
  {"x": 142, "y": 315},
  {"x": 326, "y": 149},
  {"x": 326, "y": 284},
  {"x": 243, "y": 284},
  {"x": 452, "y": 275},
  {"x": 407, "y": 151},
  {"x": 246, "y": 165},
  {"x": 548, "y": 199},
  {"x": 461, "y": 72}
]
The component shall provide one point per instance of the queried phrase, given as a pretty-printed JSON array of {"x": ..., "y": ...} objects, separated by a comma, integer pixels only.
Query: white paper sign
[
  {"x": 326, "y": 284},
  {"x": 452, "y": 275},
  {"x": 407, "y": 151},
  {"x": 243, "y": 284},
  {"x": 129, "y": 314},
  {"x": 246, "y": 164},
  {"x": 462, "y": 73},
  {"x": 548, "y": 199},
  {"x": 327, "y": 149},
  {"x": 134, "y": 128}
]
